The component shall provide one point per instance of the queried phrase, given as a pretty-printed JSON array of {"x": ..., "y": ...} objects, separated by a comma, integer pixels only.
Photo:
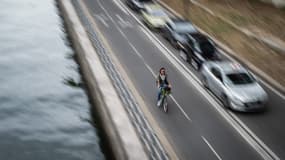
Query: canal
[{"x": 44, "y": 112}]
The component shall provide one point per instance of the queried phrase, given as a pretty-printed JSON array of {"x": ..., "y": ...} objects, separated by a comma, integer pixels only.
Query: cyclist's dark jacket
[{"x": 165, "y": 81}]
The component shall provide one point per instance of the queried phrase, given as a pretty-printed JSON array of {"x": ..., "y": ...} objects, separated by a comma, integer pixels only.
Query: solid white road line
[
  {"x": 211, "y": 147},
  {"x": 120, "y": 6},
  {"x": 185, "y": 114},
  {"x": 258, "y": 140}
]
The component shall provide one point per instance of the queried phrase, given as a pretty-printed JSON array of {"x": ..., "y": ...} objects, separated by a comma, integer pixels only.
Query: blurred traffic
[{"x": 230, "y": 82}]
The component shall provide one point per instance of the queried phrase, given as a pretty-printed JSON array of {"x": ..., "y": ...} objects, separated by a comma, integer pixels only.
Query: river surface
[{"x": 44, "y": 113}]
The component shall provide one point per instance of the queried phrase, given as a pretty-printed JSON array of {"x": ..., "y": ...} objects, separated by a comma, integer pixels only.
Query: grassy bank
[{"x": 260, "y": 55}]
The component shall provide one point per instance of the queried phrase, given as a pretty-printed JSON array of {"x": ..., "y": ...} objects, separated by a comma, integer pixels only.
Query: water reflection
[{"x": 44, "y": 113}]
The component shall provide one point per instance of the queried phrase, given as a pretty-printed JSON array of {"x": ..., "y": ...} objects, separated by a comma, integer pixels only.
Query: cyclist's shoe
[{"x": 158, "y": 103}]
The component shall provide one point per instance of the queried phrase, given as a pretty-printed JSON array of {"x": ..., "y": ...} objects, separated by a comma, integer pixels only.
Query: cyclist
[{"x": 162, "y": 83}]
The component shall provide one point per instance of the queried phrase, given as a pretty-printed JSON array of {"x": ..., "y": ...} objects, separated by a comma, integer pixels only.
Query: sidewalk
[{"x": 253, "y": 30}]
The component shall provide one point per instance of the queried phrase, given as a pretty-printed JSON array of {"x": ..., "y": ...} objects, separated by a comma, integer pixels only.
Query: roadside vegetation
[{"x": 251, "y": 15}]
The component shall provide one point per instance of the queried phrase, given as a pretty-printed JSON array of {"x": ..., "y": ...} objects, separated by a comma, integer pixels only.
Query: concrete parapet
[{"x": 124, "y": 141}]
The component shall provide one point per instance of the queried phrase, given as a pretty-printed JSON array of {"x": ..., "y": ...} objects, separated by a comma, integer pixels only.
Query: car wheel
[
  {"x": 183, "y": 55},
  {"x": 194, "y": 64},
  {"x": 173, "y": 43},
  {"x": 130, "y": 5},
  {"x": 165, "y": 36},
  {"x": 148, "y": 25},
  {"x": 145, "y": 23},
  {"x": 205, "y": 82}
]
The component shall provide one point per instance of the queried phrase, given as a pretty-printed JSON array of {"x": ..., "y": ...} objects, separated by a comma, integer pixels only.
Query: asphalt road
[{"x": 197, "y": 126}]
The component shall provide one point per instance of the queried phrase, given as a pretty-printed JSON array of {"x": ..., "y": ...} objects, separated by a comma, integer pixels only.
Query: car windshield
[
  {"x": 240, "y": 78},
  {"x": 184, "y": 28},
  {"x": 157, "y": 13},
  {"x": 207, "y": 49}
]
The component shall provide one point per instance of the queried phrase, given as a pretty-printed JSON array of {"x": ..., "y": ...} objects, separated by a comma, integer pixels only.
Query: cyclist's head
[{"x": 162, "y": 70}]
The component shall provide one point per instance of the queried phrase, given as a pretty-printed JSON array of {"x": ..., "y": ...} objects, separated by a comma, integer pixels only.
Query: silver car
[{"x": 234, "y": 86}]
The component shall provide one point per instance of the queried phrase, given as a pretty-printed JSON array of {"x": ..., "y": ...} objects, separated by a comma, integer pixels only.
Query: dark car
[
  {"x": 177, "y": 30},
  {"x": 137, "y": 5},
  {"x": 198, "y": 49}
]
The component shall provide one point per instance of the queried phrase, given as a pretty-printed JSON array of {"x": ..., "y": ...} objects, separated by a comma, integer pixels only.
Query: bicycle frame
[{"x": 164, "y": 95}]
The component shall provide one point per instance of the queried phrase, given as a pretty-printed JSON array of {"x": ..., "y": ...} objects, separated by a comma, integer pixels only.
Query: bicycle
[{"x": 165, "y": 91}]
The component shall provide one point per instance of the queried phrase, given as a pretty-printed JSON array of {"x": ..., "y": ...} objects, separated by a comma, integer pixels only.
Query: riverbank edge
[{"x": 121, "y": 135}]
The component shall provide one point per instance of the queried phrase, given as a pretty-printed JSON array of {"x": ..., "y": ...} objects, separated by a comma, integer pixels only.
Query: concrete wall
[{"x": 122, "y": 137}]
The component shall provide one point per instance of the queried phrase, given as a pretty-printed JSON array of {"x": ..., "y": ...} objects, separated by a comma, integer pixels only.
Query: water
[{"x": 43, "y": 114}]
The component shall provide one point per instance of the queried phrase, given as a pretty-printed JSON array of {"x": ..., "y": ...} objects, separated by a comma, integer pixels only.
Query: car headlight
[
  {"x": 153, "y": 21},
  {"x": 237, "y": 100},
  {"x": 264, "y": 97}
]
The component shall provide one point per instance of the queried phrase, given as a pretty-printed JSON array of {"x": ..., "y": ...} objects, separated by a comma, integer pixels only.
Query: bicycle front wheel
[{"x": 165, "y": 105}]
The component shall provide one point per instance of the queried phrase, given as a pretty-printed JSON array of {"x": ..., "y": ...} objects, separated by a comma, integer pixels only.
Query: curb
[
  {"x": 231, "y": 53},
  {"x": 121, "y": 134}
]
